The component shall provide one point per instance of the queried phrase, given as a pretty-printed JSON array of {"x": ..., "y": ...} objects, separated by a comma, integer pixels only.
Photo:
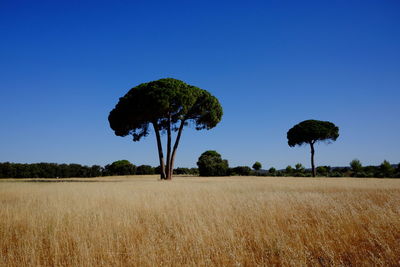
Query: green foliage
[
  {"x": 47, "y": 170},
  {"x": 194, "y": 171},
  {"x": 370, "y": 171},
  {"x": 299, "y": 170},
  {"x": 299, "y": 167},
  {"x": 386, "y": 169},
  {"x": 96, "y": 171},
  {"x": 272, "y": 171},
  {"x": 156, "y": 101},
  {"x": 398, "y": 171},
  {"x": 335, "y": 174},
  {"x": 120, "y": 167},
  {"x": 210, "y": 163},
  {"x": 240, "y": 170},
  {"x": 186, "y": 171},
  {"x": 167, "y": 104},
  {"x": 323, "y": 170},
  {"x": 356, "y": 168},
  {"x": 182, "y": 171},
  {"x": 289, "y": 170},
  {"x": 311, "y": 131},
  {"x": 356, "y": 165},
  {"x": 145, "y": 170},
  {"x": 257, "y": 166}
]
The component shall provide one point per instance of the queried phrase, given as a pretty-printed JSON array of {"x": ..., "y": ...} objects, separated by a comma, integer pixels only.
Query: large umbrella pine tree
[
  {"x": 166, "y": 105},
  {"x": 310, "y": 132}
]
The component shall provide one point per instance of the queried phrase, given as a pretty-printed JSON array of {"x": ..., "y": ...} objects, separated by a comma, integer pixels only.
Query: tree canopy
[
  {"x": 310, "y": 132},
  {"x": 210, "y": 163},
  {"x": 272, "y": 171},
  {"x": 168, "y": 105},
  {"x": 121, "y": 167},
  {"x": 257, "y": 166},
  {"x": 386, "y": 169},
  {"x": 356, "y": 166}
]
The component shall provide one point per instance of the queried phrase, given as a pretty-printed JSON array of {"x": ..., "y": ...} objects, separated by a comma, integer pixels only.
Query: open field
[{"x": 141, "y": 221}]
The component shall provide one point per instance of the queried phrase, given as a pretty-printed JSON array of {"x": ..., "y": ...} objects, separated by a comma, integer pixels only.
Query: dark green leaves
[
  {"x": 156, "y": 101},
  {"x": 257, "y": 166},
  {"x": 210, "y": 163},
  {"x": 311, "y": 131}
]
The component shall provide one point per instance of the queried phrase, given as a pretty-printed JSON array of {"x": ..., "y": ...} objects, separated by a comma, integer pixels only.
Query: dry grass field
[{"x": 229, "y": 221}]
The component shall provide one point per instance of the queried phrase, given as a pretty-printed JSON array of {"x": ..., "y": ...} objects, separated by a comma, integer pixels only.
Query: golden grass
[{"x": 140, "y": 221}]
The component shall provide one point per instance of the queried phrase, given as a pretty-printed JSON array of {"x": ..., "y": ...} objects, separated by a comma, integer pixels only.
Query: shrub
[
  {"x": 120, "y": 167},
  {"x": 323, "y": 170},
  {"x": 356, "y": 167},
  {"x": 386, "y": 169},
  {"x": 257, "y": 166},
  {"x": 210, "y": 163},
  {"x": 272, "y": 171},
  {"x": 145, "y": 169},
  {"x": 187, "y": 171},
  {"x": 240, "y": 170},
  {"x": 289, "y": 171}
]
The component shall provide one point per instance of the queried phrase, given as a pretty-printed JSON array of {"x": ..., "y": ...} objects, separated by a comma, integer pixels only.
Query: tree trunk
[
  {"x": 178, "y": 137},
  {"x": 160, "y": 151},
  {"x": 168, "y": 171},
  {"x": 312, "y": 159}
]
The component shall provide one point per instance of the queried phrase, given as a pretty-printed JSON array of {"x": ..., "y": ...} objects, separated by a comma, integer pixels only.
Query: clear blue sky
[{"x": 272, "y": 64}]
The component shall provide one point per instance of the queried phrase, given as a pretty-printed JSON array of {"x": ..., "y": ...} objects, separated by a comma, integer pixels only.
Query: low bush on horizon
[{"x": 124, "y": 167}]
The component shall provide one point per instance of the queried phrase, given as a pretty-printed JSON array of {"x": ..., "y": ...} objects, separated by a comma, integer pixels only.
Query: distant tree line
[
  {"x": 124, "y": 167},
  {"x": 210, "y": 163},
  {"x": 48, "y": 170},
  {"x": 54, "y": 170},
  {"x": 384, "y": 170}
]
